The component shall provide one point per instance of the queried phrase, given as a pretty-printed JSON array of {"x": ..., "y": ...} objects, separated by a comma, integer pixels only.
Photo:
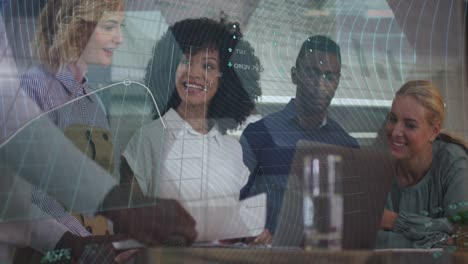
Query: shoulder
[
  {"x": 278, "y": 116},
  {"x": 144, "y": 143},
  {"x": 256, "y": 134},
  {"x": 37, "y": 82},
  {"x": 448, "y": 152},
  {"x": 450, "y": 163},
  {"x": 273, "y": 120},
  {"x": 153, "y": 129},
  {"x": 229, "y": 142},
  {"x": 37, "y": 75},
  {"x": 255, "y": 126}
]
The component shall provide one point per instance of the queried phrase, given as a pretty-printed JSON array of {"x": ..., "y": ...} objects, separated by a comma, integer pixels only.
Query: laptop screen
[{"x": 366, "y": 179}]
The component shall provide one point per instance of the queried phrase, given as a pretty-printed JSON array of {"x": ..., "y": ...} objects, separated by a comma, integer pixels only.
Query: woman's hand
[
  {"x": 265, "y": 238},
  {"x": 152, "y": 221},
  {"x": 388, "y": 219},
  {"x": 126, "y": 256}
]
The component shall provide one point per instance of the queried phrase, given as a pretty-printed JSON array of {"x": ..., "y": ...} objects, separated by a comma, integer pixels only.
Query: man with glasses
[{"x": 268, "y": 145}]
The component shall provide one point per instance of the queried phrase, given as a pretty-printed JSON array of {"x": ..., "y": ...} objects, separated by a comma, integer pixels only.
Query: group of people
[{"x": 185, "y": 154}]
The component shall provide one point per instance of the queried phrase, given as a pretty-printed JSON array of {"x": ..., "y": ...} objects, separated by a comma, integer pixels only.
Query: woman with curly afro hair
[{"x": 186, "y": 154}]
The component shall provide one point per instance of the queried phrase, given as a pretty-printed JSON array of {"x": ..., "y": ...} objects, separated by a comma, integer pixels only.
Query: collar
[
  {"x": 65, "y": 76},
  {"x": 324, "y": 121},
  {"x": 179, "y": 128},
  {"x": 290, "y": 113}
]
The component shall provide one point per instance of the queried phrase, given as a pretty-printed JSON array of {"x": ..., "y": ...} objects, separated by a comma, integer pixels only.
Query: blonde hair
[
  {"x": 427, "y": 95},
  {"x": 65, "y": 26}
]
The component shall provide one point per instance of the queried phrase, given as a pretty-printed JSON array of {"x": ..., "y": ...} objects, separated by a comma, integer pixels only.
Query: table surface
[{"x": 278, "y": 255}]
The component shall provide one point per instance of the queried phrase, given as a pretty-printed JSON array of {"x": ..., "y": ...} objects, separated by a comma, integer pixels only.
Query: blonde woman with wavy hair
[
  {"x": 67, "y": 27},
  {"x": 429, "y": 97},
  {"x": 431, "y": 168},
  {"x": 71, "y": 35}
]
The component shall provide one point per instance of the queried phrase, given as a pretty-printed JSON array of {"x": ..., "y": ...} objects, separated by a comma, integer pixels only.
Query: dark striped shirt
[
  {"x": 67, "y": 102},
  {"x": 56, "y": 92}
]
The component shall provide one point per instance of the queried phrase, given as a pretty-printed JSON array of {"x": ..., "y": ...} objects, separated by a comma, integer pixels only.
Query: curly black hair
[
  {"x": 249, "y": 69},
  {"x": 232, "y": 103}
]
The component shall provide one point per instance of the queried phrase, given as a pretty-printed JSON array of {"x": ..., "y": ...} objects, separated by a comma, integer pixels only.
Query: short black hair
[
  {"x": 321, "y": 43},
  {"x": 231, "y": 104}
]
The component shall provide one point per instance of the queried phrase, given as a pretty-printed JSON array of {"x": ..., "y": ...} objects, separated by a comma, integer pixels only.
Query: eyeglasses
[{"x": 316, "y": 74}]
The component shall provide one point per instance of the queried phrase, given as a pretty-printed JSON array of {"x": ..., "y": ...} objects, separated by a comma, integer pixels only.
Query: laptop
[{"x": 366, "y": 178}]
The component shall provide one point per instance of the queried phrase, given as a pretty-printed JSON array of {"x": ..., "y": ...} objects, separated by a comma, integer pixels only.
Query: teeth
[
  {"x": 193, "y": 86},
  {"x": 398, "y": 144}
]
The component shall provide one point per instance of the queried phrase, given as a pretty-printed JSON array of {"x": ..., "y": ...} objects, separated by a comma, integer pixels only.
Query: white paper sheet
[
  {"x": 227, "y": 217},
  {"x": 413, "y": 250}
]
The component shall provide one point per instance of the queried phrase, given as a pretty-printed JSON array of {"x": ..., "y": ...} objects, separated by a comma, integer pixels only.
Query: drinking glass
[{"x": 323, "y": 202}]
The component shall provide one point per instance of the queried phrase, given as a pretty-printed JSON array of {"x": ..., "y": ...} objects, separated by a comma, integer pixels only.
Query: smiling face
[
  {"x": 107, "y": 36},
  {"x": 197, "y": 77},
  {"x": 409, "y": 134}
]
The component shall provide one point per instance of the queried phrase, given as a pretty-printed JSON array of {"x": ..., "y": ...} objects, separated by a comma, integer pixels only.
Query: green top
[{"x": 422, "y": 208}]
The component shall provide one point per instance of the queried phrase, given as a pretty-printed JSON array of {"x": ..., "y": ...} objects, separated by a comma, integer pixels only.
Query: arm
[
  {"x": 250, "y": 160},
  {"x": 46, "y": 233},
  {"x": 167, "y": 217},
  {"x": 76, "y": 181},
  {"x": 456, "y": 185},
  {"x": 142, "y": 156},
  {"x": 413, "y": 230},
  {"x": 248, "y": 156},
  {"x": 255, "y": 139},
  {"x": 127, "y": 178},
  {"x": 428, "y": 231},
  {"x": 82, "y": 185},
  {"x": 41, "y": 149}
]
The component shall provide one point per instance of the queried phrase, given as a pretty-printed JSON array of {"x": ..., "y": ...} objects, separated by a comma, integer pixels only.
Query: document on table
[
  {"x": 411, "y": 250},
  {"x": 227, "y": 217},
  {"x": 220, "y": 218}
]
